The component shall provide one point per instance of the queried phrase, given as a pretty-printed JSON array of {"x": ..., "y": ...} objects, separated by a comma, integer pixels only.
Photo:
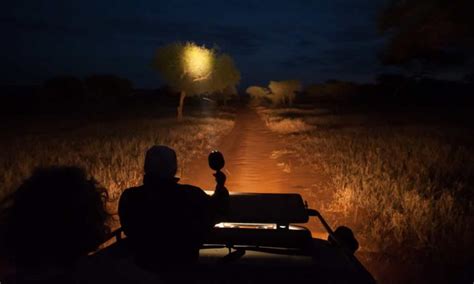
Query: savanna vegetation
[
  {"x": 402, "y": 178},
  {"x": 107, "y": 136},
  {"x": 278, "y": 93},
  {"x": 398, "y": 152}
]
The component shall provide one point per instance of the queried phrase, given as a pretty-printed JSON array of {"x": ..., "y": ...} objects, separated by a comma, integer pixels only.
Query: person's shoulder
[
  {"x": 131, "y": 191},
  {"x": 128, "y": 199},
  {"x": 191, "y": 188}
]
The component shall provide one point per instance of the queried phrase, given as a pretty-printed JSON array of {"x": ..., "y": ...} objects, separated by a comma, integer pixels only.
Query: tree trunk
[{"x": 180, "y": 107}]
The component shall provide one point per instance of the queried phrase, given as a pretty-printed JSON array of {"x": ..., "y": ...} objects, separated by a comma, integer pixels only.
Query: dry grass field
[
  {"x": 112, "y": 151},
  {"x": 402, "y": 181},
  {"x": 405, "y": 185}
]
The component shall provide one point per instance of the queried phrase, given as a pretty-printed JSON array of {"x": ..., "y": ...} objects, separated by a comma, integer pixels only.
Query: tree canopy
[
  {"x": 284, "y": 92},
  {"x": 278, "y": 92},
  {"x": 195, "y": 70},
  {"x": 427, "y": 32},
  {"x": 258, "y": 94},
  {"x": 225, "y": 95}
]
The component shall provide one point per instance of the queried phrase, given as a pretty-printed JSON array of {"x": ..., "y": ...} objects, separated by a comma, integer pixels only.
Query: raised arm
[{"x": 220, "y": 198}]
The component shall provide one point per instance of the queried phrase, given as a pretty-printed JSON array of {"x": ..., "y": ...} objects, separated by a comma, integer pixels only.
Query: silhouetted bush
[
  {"x": 423, "y": 90},
  {"x": 332, "y": 90},
  {"x": 259, "y": 95},
  {"x": 106, "y": 87},
  {"x": 63, "y": 88},
  {"x": 393, "y": 90},
  {"x": 284, "y": 92}
]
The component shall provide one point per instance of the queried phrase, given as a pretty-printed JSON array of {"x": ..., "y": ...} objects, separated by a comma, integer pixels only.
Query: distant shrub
[
  {"x": 284, "y": 92},
  {"x": 224, "y": 96},
  {"x": 108, "y": 87},
  {"x": 259, "y": 95},
  {"x": 333, "y": 90},
  {"x": 278, "y": 93},
  {"x": 63, "y": 88}
]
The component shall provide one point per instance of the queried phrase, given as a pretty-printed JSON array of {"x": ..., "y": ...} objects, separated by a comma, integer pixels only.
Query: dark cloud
[
  {"x": 231, "y": 37},
  {"x": 353, "y": 34},
  {"x": 302, "y": 43},
  {"x": 16, "y": 25},
  {"x": 303, "y": 61}
]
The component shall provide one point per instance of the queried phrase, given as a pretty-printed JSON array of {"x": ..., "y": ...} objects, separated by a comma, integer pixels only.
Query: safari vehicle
[
  {"x": 259, "y": 242},
  {"x": 262, "y": 239}
]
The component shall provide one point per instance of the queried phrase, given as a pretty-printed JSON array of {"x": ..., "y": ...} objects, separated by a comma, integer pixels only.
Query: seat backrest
[{"x": 275, "y": 208}]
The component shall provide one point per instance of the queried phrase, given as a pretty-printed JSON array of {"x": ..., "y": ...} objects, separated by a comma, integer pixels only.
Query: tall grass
[
  {"x": 401, "y": 189},
  {"x": 112, "y": 152},
  {"x": 406, "y": 190}
]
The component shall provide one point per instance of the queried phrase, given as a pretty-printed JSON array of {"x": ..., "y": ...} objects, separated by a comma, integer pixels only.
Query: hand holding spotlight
[{"x": 217, "y": 162}]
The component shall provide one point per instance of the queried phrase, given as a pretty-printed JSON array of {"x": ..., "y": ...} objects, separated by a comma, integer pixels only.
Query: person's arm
[
  {"x": 220, "y": 198},
  {"x": 125, "y": 211}
]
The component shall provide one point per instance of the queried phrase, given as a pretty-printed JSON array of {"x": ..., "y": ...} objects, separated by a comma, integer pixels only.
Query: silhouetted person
[
  {"x": 166, "y": 222},
  {"x": 56, "y": 217}
]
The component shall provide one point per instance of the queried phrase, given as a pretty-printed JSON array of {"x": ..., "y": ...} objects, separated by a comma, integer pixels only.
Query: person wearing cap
[{"x": 165, "y": 221}]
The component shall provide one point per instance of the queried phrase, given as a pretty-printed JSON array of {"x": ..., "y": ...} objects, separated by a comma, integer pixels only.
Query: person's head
[
  {"x": 57, "y": 216},
  {"x": 161, "y": 163}
]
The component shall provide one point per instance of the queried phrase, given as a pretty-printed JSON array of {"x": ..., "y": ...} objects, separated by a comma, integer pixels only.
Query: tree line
[
  {"x": 388, "y": 88},
  {"x": 92, "y": 88}
]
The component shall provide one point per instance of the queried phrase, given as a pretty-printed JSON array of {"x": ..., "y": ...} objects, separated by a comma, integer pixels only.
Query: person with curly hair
[{"x": 56, "y": 216}]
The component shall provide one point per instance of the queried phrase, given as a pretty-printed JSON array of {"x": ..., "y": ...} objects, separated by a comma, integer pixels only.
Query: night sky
[{"x": 270, "y": 40}]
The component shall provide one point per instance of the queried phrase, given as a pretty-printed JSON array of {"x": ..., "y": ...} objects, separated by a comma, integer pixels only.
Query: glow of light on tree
[{"x": 197, "y": 61}]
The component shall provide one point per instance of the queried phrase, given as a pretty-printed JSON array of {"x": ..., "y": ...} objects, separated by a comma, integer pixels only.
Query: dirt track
[{"x": 255, "y": 163}]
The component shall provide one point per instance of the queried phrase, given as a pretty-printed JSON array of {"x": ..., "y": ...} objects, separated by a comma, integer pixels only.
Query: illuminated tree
[
  {"x": 195, "y": 70},
  {"x": 284, "y": 92}
]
